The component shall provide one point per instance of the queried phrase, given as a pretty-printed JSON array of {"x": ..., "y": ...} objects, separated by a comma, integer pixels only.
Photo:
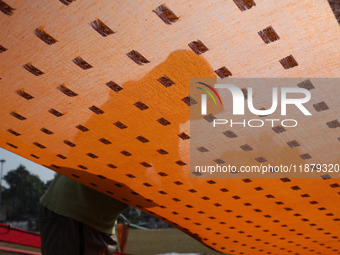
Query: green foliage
[{"x": 21, "y": 199}]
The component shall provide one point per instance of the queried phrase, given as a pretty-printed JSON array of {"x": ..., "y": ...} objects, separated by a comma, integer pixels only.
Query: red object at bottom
[
  {"x": 19, "y": 236},
  {"x": 17, "y": 251}
]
